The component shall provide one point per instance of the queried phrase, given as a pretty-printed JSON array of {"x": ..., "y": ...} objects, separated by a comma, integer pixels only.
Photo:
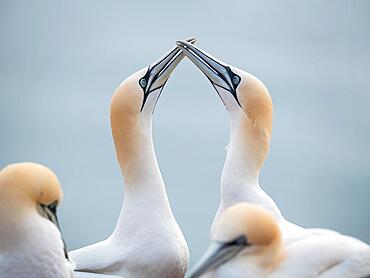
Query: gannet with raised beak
[
  {"x": 31, "y": 244},
  {"x": 147, "y": 241},
  {"x": 249, "y": 105},
  {"x": 250, "y": 108},
  {"x": 247, "y": 242}
]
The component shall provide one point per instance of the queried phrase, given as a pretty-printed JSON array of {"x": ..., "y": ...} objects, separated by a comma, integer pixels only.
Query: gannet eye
[
  {"x": 49, "y": 211},
  {"x": 142, "y": 82},
  {"x": 236, "y": 80}
]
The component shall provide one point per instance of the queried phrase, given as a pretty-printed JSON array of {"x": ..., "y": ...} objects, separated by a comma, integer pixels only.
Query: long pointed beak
[
  {"x": 51, "y": 213},
  {"x": 160, "y": 71},
  {"x": 218, "y": 73},
  {"x": 217, "y": 254}
]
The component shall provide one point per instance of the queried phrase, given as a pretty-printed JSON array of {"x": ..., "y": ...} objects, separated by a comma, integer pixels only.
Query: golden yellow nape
[
  {"x": 255, "y": 100},
  {"x": 32, "y": 181},
  {"x": 252, "y": 221},
  {"x": 126, "y": 103}
]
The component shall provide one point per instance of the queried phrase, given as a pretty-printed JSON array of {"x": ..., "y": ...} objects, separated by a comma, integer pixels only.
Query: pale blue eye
[
  {"x": 236, "y": 80},
  {"x": 142, "y": 82}
]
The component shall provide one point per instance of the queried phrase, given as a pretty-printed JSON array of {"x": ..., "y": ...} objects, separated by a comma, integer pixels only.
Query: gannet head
[
  {"x": 244, "y": 229},
  {"x": 137, "y": 96},
  {"x": 245, "y": 97},
  {"x": 33, "y": 180},
  {"x": 31, "y": 187},
  {"x": 133, "y": 104}
]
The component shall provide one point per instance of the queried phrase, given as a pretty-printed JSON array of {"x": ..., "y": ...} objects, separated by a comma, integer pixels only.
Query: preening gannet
[
  {"x": 147, "y": 241},
  {"x": 31, "y": 244},
  {"x": 247, "y": 242}
]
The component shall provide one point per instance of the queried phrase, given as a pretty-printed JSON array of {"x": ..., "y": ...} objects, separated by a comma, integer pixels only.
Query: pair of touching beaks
[{"x": 219, "y": 74}]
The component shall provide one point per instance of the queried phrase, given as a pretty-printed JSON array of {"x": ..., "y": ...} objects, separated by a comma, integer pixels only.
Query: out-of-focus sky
[{"x": 60, "y": 62}]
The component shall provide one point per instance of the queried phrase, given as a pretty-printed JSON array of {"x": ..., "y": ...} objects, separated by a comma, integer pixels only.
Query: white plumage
[
  {"x": 147, "y": 241},
  {"x": 307, "y": 252}
]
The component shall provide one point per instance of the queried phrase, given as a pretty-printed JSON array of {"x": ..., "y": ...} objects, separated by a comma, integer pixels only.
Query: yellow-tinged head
[
  {"x": 138, "y": 94},
  {"x": 244, "y": 96},
  {"x": 28, "y": 188},
  {"x": 134, "y": 101},
  {"x": 248, "y": 220},
  {"x": 244, "y": 229},
  {"x": 31, "y": 181},
  {"x": 254, "y": 99},
  {"x": 239, "y": 90}
]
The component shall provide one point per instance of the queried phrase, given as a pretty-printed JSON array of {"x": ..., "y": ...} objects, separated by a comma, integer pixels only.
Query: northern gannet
[
  {"x": 147, "y": 241},
  {"x": 250, "y": 108},
  {"x": 247, "y": 242},
  {"x": 31, "y": 244}
]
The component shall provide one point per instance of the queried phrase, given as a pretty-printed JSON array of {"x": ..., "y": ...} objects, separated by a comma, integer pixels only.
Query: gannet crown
[{"x": 31, "y": 180}]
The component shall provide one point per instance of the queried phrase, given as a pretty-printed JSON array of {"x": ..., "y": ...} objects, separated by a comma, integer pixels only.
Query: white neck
[
  {"x": 239, "y": 180},
  {"x": 239, "y": 174},
  {"x": 145, "y": 193}
]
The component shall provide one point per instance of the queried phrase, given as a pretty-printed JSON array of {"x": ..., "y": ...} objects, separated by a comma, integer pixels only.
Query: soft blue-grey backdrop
[{"x": 60, "y": 61}]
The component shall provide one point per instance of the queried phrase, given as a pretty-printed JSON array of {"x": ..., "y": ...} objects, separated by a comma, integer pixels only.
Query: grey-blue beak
[
  {"x": 217, "y": 254},
  {"x": 218, "y": 73},
  {"x": 160, "y": 71}
]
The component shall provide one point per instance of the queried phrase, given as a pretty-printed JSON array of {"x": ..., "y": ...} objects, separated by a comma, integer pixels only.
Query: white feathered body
[
  {"x": 148, "y": 243},
  {"x": 32, "y": 247}
]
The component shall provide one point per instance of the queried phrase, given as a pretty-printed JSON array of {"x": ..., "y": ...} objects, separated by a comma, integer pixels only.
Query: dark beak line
[
  {"x": 164, "y": 69},
  {"x": 166, "y": 61},
  {"x": 202, "y": 58},
  {"x": 217, "y": 254},
  {"x": 198, "y": 54},
  {"x": 156, "y": 71},
  {"x": 51, "y": 213},
  {"x": 223, "y": 72}
]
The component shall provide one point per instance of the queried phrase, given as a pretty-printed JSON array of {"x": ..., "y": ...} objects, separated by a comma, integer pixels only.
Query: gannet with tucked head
[
  {"x": 247, "y": 242},
  {"x": 31, "y": 244},
  {"x": 147, "y": 241}
]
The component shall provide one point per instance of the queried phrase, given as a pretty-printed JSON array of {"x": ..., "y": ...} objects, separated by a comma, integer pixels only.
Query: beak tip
[
  {"x": 181, "y": 42},
  {"x": 183, "y": 45},
  {"x": 192, "y": 40}
]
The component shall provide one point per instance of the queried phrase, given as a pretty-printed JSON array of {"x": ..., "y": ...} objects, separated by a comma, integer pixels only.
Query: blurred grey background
[{"x": 60, "y": 62}]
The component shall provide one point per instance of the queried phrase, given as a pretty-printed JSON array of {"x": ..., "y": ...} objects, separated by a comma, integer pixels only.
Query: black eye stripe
[
  {"x": 241, "y": 241},
  {"x": 143, "y": 82}
]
